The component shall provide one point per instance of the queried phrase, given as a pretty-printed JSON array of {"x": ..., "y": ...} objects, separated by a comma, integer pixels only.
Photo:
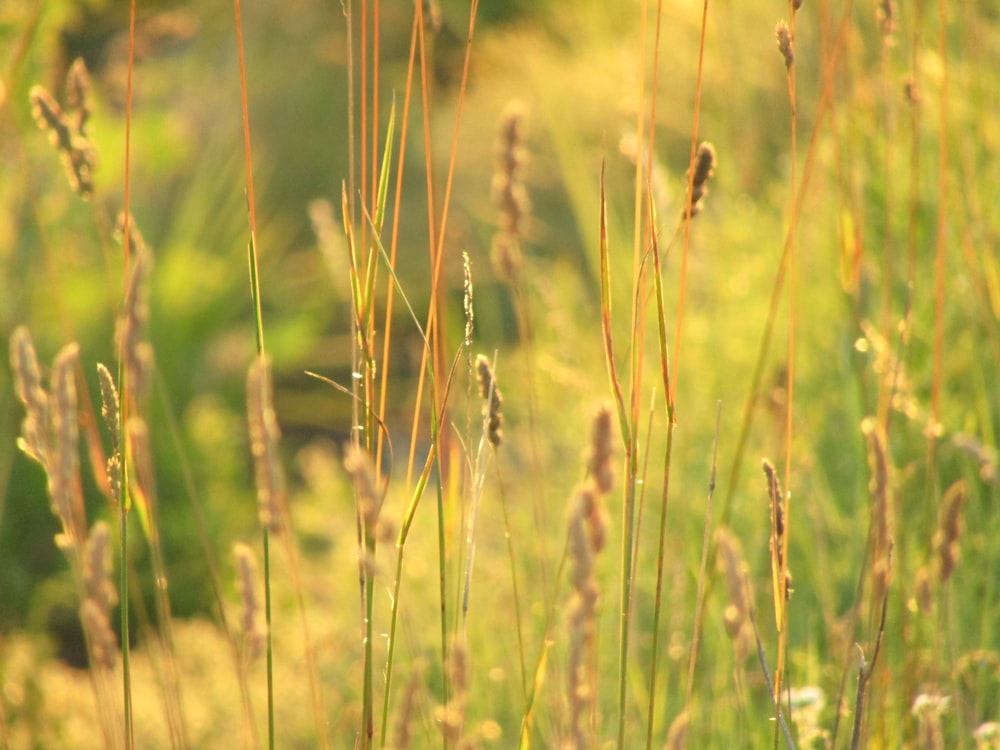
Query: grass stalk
[
  {"x": 123, "y": 407},
  {"x": 259, "y": 334}
]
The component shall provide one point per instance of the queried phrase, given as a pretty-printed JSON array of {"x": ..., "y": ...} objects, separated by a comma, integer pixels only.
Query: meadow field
[{"x": 459, "y": 374}]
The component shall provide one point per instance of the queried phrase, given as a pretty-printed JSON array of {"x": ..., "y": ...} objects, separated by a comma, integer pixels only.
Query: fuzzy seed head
[
  {"x": 264, "y": 437},
  {"x": 950, "y": 530},
  {"x": 358, "y": 465},
  {"x": 786, "y": 46},
  {"x": 493, "y": 409},
  {"x": 34, "y": 439}
]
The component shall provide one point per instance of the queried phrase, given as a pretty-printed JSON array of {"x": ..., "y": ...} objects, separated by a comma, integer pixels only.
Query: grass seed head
[
  {"x": 358, "y": 465},
  {"x": 264, "y": 437},
  {"x": 704, "y": 168},
  {"x": 110, "y": 414},
  {"x": 878, "y": 487},
  {"x": 949, "y": 531},
  {"x": 64, "y": 473},
  {"x": 75, "y": 149},
  {"x": 785, "y": 44},
  {"x": 250, "y": 618},
  {"x": 736, "y": 616},
  {"x": 601, "y": 442},
  {"x": 34, "y": 439},
  {"x": 509, "y": 194},
  {"x": 493, "y": 409},
  {"x": 78, "y": 94},
  {"x": 97, "y": 567},
  {"x": 102, "y": 640}
]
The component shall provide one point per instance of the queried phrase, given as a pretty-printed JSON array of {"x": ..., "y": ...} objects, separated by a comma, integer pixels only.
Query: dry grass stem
[
  {"x": 493, "y": 409},
  {"x": 509, "y": 194},
  {"x": 949, "y": 530},
  {"x": 264, "y": 437}
]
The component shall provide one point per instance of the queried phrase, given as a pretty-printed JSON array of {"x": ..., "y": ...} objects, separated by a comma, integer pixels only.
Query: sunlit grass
[{"x": 873, "y": 234}]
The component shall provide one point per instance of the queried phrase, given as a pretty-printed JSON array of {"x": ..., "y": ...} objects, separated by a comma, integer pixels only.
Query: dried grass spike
[
  {"x": 467, "y": 302},
  {"x": 704, "y": 168},
  {"x": 250, "y": 620},
  {"x": 100, "y": 636},
  {"x": 401, "y": 727},
  {"x": 736, "y": 615},
  {"x": 78, "y": 94},
  {"x": 878, "y": 486},
  {"x": 64, "y": 473},
  {"x": 34, "y": 439},
  {"x": 601, "y": 449},
  {"x": 76, "y": 150},
  {"x": 781, "y": 577},
  {"x": 785, "y": 44},
  {"x": 509, "y": 194},
  {"x": 493, "y": 409},
  {"x": 677, "y": 734},
  {"x": 135, "y": 320},
  {"x": 451, "y": 716},
  {"x": 949, "y": 530},
  {"x": 264, "y": 436},
  {"x": 110, "y": 414},
  {"x": 432, "y": 15},
  {"x": 97, "y": 567},
  {"x": 136, "y": 242}
]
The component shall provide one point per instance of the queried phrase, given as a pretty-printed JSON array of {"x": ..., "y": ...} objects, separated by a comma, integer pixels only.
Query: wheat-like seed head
[
  {"x": 358, "y": 465},
  {"x": 34, "y": 439},
  {"x": 64, "y": 472},
  {"x": 493, "y": 409},
  {"x": 254, "y": 630},
  {"x": 786, "y": 45},
  {"x": 264, "y": 437},
  {"x": 949, "y": 530},
  {"x": 97, "y": 567},
  {"x": 102, "y": 640}
]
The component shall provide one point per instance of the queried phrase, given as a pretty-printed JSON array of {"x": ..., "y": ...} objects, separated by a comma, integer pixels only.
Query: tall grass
[{"x": 491, "y": 177}]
